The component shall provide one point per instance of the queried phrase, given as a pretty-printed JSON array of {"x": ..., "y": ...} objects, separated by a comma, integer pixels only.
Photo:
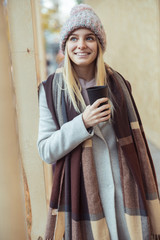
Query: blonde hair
[
  {"x": 72, "y": 81},
  {"x": 101, "y": 76}
]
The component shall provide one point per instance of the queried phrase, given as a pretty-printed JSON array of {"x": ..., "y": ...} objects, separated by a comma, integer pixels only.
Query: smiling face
[{"x": 82, "y": 47}]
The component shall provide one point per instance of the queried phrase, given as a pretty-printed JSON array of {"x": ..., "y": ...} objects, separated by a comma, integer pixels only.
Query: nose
[{"x": 81, "y": 44}]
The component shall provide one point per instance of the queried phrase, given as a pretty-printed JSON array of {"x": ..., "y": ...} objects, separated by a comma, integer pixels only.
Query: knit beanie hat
[{"x": 82, "y": 16}]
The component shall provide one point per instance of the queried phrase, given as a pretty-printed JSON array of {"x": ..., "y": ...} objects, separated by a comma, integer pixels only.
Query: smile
[{"x": 82, "y": 54}]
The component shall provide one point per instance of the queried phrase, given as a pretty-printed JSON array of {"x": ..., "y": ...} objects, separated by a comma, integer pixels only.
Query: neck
[{"x": 85, "y": 72}]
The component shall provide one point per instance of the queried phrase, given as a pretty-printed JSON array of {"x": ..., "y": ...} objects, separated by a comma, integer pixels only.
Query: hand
[{"x": 94, "y": 114}]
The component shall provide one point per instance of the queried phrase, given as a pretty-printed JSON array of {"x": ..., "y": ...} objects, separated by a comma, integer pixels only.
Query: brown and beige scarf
[{"x": 75, "y": 210}]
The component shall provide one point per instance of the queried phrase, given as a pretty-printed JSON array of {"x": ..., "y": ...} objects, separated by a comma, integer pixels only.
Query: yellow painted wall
[{"x": 133, "y": 49}]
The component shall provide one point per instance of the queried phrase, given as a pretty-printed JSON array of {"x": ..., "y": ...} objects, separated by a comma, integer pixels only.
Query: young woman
[{"x": 104, "y": 180}]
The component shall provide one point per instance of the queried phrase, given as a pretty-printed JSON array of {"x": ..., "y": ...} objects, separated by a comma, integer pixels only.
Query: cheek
[
  {"x": 71, "y": 48},
  {"x": 96, "y": 48}
]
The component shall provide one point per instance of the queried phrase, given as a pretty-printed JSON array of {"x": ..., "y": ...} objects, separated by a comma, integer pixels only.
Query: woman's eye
[
  {"x": 90, "y": 38},
  {"x": 73, "y": 39}
]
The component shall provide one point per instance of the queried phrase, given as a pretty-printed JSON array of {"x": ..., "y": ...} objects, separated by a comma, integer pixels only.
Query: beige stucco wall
[
  {"x": 24, "y": 55},
  {"x": 12, "y": 206},
  {"x": 133, "y": 49}
]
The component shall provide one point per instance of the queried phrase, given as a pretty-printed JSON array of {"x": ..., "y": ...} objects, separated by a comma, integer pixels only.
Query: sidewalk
[{"x": 155, "y": 152}]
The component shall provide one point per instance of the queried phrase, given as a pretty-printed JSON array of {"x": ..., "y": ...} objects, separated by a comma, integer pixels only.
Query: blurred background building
[
  {"x": 54, "y": 13},
  {"x": 29, "y": 44}
]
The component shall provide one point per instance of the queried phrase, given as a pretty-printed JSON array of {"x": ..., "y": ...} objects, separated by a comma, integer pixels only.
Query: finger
[
  {"x": 102, "y": 119},
  {"x": 101, "y": 109},
  {"x": 106, "y": 118},
  {"x": 104, "y": 107},
  {"x": 99, "y": 101},
  {"x": 105, "y": 113}
]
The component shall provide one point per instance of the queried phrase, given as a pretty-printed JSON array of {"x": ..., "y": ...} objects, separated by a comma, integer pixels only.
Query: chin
[{"x": 83, "y": 63}]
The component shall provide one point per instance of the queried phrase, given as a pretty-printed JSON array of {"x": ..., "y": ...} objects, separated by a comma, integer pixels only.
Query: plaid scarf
[{"x": 75, "y": 206}]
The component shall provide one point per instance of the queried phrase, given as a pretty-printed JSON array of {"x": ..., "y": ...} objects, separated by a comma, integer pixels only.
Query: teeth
[{"x": 82, "y": 54}]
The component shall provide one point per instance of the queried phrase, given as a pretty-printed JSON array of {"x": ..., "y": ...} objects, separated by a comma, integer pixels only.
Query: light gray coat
[{"x": 53, "y": 144}]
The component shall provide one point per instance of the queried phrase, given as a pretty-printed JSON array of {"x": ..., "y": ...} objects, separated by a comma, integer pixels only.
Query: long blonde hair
[{"x": 72, "y": 81}]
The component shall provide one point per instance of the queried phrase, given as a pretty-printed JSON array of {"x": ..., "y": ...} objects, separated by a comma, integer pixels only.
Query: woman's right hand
[{"x": 94, "y": 114}]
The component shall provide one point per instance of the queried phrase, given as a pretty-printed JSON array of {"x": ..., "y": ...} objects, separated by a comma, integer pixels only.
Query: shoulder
[
  {"x": 126, "y": 82},
  {"x": 121, "y": 76},
  {"x": 55, "y": 78},
  {"x": 49, "y": 80},
  {"x": 46, "y": 83}
]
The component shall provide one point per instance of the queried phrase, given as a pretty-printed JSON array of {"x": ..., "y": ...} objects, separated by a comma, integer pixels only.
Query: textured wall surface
[
  {"x": 12, "y": 207},
  {"x": 23, "y": 55},
  {"x": 133, "y": 49}
]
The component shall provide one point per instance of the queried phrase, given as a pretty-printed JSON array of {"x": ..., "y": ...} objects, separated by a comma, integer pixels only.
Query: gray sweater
[{"x": 53, "y": 144}]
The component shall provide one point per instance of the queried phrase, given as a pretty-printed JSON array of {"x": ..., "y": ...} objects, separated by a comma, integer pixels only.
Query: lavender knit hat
[{"x": 82, "y": 16}]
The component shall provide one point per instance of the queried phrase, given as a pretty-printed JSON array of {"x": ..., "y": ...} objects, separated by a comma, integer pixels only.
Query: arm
[{"x": 55, "y": 143}]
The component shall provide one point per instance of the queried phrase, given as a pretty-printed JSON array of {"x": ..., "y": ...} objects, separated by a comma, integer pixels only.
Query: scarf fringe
[{"x": 155, "y": 237}]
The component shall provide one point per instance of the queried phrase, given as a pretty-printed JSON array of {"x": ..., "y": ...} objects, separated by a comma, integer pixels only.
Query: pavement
[{"x": 155, "y": 152}]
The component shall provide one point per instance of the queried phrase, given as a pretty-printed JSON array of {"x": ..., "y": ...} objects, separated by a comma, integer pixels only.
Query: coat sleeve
[{"x": 53, "y": 143}]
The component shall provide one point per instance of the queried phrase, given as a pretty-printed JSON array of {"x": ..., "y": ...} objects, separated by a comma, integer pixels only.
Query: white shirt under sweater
[
  {"x": 112, "y": 203},
  {"x": 53, "y": 144}
]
